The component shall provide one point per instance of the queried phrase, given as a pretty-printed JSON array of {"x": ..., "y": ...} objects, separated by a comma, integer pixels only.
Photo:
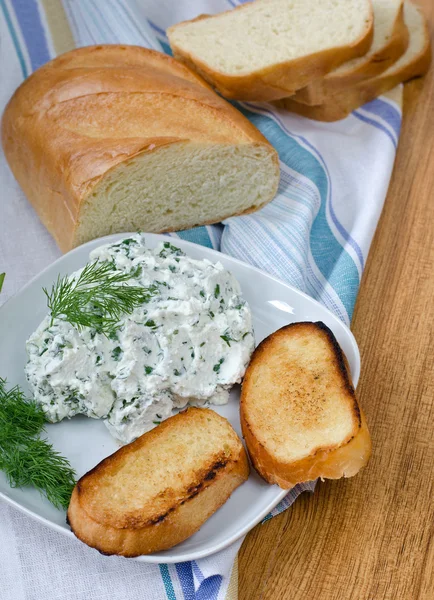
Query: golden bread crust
[
  {"x": 341, "y": 104},
  {"x": 61, "y": 134},
  {"x": 276, "y": 81},
  {"x": 322, "y": 90},
  {"x": 326, "y": 461},
  {"x": 172, "y": 514}
]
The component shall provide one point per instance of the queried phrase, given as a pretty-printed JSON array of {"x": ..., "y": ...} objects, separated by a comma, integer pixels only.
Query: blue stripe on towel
[
  {"x": 168, "y": 586},
  {"x": 335, "y": 264},
  {"x": 166, "y": 48},
  {"x": 386, "y": 111},
  {"x": 345, "y": 234},
  {"x": 30, "y": 23},
  {"x": 185, "y": 576},
  {"x": 15, "y": 40},
  {"x": 209, "y": 589},
  {"x": 376, "y": 125},
  {"x": 198, "y": 235},
  {"x": 158, "y": 30},
  {"x": 197, "y": 571}
]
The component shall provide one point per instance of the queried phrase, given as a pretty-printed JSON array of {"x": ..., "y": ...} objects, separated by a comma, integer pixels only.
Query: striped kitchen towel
[{"x": 315, "y": 235}]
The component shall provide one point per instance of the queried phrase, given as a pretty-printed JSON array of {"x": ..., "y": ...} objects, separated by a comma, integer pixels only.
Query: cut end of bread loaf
[
  {"x": 299, "y": 413},
  {"x": 267, "y": 49},
  {"x": 179, "y": 186},
  {"x": 157, "y": 491}
]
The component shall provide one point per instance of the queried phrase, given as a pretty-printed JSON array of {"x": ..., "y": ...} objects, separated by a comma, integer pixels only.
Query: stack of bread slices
[{"x": 318, "y": 59}]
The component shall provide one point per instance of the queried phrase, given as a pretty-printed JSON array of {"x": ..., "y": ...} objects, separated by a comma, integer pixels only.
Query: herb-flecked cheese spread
[{"x": 189, "y": 343}]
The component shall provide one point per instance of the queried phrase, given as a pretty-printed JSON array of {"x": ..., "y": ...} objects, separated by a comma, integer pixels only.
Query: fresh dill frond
[
  {"x": 26, "y": 458},
  {"x": 97, "y": 297},
  {"x": 2, "y": 278},
  {"x": 26, "y": 416}
]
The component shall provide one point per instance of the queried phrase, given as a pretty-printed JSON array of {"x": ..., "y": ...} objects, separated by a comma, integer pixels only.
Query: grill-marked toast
[
  {"x": 299, "y": 413},
  {"x": 159, "y": 490}
]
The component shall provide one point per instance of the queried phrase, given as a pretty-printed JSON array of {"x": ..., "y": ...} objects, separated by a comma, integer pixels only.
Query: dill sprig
[
  {"x": 26, "y": 458},
  {"x": 96, "y": 298},
  {"x": 2, "y": 278}
]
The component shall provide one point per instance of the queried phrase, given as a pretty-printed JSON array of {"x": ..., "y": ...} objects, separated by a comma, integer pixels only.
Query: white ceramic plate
[{"x": 87, "y": 441}]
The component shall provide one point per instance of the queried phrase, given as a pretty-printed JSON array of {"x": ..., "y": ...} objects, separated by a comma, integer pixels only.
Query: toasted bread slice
[
  {"x": 299, "y": 413},
  {"x": 390, "y": 42},
  {"x": 413, "y": 63},
  {"x": 160, "y": 489},
  {"x": 268, "y": 49}
]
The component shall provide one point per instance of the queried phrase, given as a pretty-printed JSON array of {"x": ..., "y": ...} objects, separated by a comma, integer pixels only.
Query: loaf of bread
[
  {"x": 413, "y": 63},
  {"x": 299, "y": 414},
  {"x": 114, "y": 138},
  {"x": 157, "y": 491},
  {"x": 389, "y": 43},
  {"x": 268, "y": 49}
]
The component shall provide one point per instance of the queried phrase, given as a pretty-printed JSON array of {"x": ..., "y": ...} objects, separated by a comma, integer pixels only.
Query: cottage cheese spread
[{"x": 189, "y": 344}]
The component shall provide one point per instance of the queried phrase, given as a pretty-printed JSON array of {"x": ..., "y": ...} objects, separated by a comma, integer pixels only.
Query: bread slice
[
  {"x": 268, "y": 49},
  {"x": 414, "y": 62},
  {"x": 106, "y": 139},
  {"x": 299, "y": 414},
  {"x": 389, "y": 43},
  {"x": 157, "y": 491}
]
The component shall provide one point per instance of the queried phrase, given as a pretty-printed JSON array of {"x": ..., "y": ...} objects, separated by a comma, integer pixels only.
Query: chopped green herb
[
  {"x": 98, "y": 359},
  {"x": 2, "y": 278},
  {"x": 202, "y": 293},
  {"x": 227, "y": 338},
  {"x": 216, "y": 291},
  {"x": 176, "y": 332},
  {"x": 245, "y": 334},
  {"x": 150, "y": 323},
  {"x": 216, "y": 368},
  {"x": 172, "y": 268},
  {"x": 176, "y": 373},
  {"x": 169, "y": 249},
  {"x": 127, "y": 402},
  {"x": 116, "y": 353},
  {"x": 128, "y": 242},
  {"x": 211, "y": 314},
  {"x": 148, "y": 370},
  {"x": 156, "y": 422},
  {"x": 202, "y": 344}
]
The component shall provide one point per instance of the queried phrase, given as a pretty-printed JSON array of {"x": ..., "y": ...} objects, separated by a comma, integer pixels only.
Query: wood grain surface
[{"x": 371, "y": 537}]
